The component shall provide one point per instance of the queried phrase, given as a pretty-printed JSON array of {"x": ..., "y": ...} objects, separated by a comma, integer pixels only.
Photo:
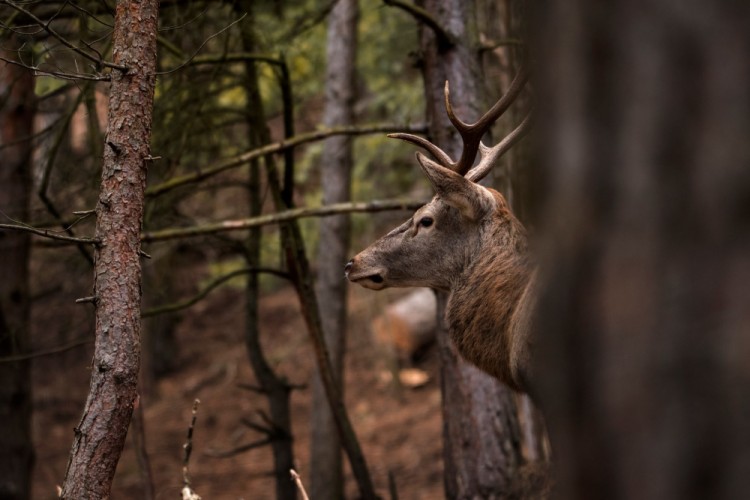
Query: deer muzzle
[{"x": 372, "y": 278}]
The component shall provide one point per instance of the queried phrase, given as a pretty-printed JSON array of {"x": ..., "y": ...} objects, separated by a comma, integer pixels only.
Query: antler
[
  {"x": 472, "y": 134},
  {"x": 490, "y": 155}
]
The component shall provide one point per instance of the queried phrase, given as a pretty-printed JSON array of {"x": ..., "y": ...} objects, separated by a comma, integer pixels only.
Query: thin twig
[
  {"x": 180, "y": 26},
  {"x": 278, "y": 217},
  {"x": 46, "y": 26},
  {"x": 47, "y": 352},
  {"x": 201, "y": 46},
  {"x": 239, "y": 449},
  {"x": 47, "y": 233},
  {"x": 392, "y": 489},
  {"x": 298, "y": 482},
  {"x": 235, "y": 57},
  {"x": 187, "y": 492},
  {"x": 91, "y": 15},
  {"x": 138, "y": 430},
  {"x": 58, "y": 74}
]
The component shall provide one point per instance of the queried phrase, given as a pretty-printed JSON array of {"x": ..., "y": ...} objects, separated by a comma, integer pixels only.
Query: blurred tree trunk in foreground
[
  {"x": 100, "y": 435},
  {"x": 645, "y": 324},
  {"x": 480, "y": 424},
  {"x": 333, "y": 250},
  {"x": 16, "y": 128}
]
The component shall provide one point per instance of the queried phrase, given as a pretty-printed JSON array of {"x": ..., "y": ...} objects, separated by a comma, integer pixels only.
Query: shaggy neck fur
[{"x": 487, "y": 308}]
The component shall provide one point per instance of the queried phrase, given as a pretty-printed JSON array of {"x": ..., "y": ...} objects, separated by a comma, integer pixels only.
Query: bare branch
[
  {"x": 277, "y": 147},
  {"x": 184, "y": 304},
  {"x": 58, "y": 74},
  {"x": 48, "y": 233},
  {"x": 278, "y": 217},
  {"x": 239, "y": 449},
  {"x": 218, "y": 59},
  {"x": 47, "y": 352},
  {"x": 444, "y": 38}
]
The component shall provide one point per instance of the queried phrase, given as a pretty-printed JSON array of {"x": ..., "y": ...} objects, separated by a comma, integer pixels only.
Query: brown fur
[{"x": 484, "y": 308}]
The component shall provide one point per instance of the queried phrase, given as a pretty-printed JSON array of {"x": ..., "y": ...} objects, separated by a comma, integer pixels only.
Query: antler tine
[
  {"x": 440, "y": 155},
  {"x": 472, "y": 133},
  {"x": 490, "y": 155}
]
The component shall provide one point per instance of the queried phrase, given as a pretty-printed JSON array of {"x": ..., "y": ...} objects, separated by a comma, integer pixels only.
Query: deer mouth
[{"x": 371, "y": 280}]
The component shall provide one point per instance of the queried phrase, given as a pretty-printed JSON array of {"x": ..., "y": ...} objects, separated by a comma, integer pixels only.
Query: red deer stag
[{"x": 467, "y": 242}]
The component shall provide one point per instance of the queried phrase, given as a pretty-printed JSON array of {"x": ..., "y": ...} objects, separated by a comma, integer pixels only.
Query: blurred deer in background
[{"x": 467, "y": 242}]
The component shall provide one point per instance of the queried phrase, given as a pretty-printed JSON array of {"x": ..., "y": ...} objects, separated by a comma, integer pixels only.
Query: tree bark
[
  {"x": 480, "y": 426},
  {"x": 336, "y": 164},
  {"x": 16, "y": 124},
  {"x": 644, "y": 327},
  {"x": 100, "y": 435}
]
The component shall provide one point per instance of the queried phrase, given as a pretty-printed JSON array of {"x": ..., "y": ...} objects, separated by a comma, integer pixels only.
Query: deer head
[
  {"x": 433, "y": 247},
  {"x": 465, "y": 241}
]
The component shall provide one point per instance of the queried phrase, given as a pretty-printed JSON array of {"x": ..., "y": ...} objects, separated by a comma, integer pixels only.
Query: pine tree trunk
[
  {"x": 645, "y": 326},
  {"x": 480, "y": 424},
  {"x": 336, "y": 164},
  {"x": 16, "y": 126},
  {"x": 100, "y": 435}
]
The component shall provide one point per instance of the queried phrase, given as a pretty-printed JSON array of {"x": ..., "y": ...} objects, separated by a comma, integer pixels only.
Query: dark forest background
[{"x": 231, "y": 155}]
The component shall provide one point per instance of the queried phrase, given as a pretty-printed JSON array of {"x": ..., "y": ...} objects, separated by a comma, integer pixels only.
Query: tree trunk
[
  {"x": 276, "y": 388},
  {"x": 16, "y": 128},
  {"x": 336, "y": 164},
  {"x": 480, "y": 426},
  {"x": 100, "y": 435},
  {"x": 645, "y": 326}
]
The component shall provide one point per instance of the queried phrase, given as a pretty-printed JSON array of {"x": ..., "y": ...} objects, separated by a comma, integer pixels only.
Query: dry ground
[{"x": 399, "y": 430}]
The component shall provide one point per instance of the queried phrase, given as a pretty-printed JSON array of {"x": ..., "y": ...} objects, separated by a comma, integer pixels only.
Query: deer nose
[{"x": 348, "y": 266}]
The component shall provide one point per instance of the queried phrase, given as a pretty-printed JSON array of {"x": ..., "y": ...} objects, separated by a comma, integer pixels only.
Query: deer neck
[{"x": 485, "y": 304}]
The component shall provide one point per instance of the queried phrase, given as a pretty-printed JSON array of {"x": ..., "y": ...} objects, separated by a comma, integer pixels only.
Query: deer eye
[{"x": 426, "y": 221}]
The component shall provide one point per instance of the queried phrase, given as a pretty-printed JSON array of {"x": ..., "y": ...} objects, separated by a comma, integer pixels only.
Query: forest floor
[{"x": 399, "y": 428}]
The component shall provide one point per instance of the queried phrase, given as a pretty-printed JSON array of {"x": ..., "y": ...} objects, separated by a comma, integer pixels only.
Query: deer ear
[{"x": 457, "y": 191}]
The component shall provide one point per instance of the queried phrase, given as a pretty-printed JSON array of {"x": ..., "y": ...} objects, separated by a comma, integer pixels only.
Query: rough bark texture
[
  {"x": 481, "y": 434},
  {"x": 336, "y": 163},
  {"x": 644, "y": 330},
  {"x": 100, "y": 435},
  {"x": 16, "y": 123}
]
